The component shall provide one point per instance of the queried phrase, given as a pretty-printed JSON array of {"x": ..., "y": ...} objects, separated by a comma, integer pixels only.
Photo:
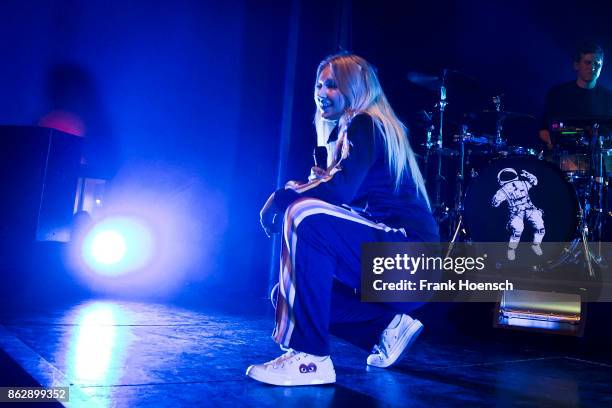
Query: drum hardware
[
  {"x": 587, "y": 252},
  {"x": 437, "y": 83},
  {"x": 434, "y": 82},
  {"x": 498, "y": 150},
  {"x": 500, "y": 115},
  {"x": 599, "y": 192},
  {"x": 588, "y": 184},
  {"x": 456, "y": 221},
  {"x": 499, "y": 141},
  {"x": 522, "y": 199},
  {"x": 430, "y": 129},
  {"x": 441, "y": 105},
  {"x": 584, "y": 175},
  {"x": 463, "y": 137},
  {"x": 579, "y": 182},
  {"x": 464, "y": 231}
]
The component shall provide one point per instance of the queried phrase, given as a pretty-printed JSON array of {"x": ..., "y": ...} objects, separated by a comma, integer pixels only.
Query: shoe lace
[
  {"x": 379, "y": 350},
  {"x": 383, "y": 346},
  {"x": 287, "y": 357}
]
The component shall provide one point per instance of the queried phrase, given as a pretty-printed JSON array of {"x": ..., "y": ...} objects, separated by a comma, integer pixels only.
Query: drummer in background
[{"x": 579, "y": 98}]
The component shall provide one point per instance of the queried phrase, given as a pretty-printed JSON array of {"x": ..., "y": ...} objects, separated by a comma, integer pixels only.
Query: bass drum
[{"x": 526, "y": 200}]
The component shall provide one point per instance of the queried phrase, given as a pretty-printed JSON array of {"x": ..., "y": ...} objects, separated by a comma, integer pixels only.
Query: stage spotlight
[
  {"x": 117, "y": 245},
  {"x": 108, "y": 247}
]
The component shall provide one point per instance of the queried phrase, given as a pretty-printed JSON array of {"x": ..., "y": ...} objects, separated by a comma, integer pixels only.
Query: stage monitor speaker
[
  {"x": 39, "y": 168},
  {"x": 529, "y": 310}
]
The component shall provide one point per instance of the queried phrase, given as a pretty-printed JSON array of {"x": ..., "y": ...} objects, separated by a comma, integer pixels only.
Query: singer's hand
[
  {"x": 316, "y": 173},
  {"x": 292, "y": 184},
  {"x": 267, "y": 215}
]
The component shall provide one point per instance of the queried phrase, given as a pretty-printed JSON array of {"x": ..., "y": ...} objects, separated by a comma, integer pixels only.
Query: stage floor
[{"x": 131, "y": 354}]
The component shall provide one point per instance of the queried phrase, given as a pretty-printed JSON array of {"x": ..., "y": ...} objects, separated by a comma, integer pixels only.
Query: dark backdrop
[{"x": 193, "y": 92}]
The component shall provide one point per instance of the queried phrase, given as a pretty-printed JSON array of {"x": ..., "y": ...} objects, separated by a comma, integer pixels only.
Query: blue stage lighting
[
  {"x": 117, "y": 245},
  {"x": 108, "y": 247}
]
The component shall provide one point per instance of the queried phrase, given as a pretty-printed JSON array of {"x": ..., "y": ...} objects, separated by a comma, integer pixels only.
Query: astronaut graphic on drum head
[{"x": 516, "y": 192}]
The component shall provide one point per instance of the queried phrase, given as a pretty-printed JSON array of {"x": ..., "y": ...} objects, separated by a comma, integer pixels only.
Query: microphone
[{"x": 319, "y": 154}]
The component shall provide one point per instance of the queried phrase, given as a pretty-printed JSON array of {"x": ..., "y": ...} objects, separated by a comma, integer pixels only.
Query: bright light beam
[
  {"x": 117, "y": 245},
  {"x": 108, "y": 247}
]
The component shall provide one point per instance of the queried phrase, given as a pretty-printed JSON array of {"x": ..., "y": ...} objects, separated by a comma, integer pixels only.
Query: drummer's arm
[
  {"x": 545, "y": 137},
  {"x": 545, "y": 120}
]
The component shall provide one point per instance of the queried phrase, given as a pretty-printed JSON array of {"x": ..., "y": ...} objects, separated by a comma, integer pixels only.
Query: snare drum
[
  {"x": 512, "y": 151},
  {"x": 522, "y": 199}
]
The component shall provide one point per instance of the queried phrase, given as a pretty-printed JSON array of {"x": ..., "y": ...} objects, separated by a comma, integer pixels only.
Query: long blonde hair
[{"x": 357, "y": 81}]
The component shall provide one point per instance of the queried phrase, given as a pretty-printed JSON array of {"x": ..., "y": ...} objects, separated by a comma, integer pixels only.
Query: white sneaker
[
  {"x": 537, "y": 249},
  {"x": 295, "y": 368},
  {"x": 394, "y": 340},
  {"x": 511, "y": 254}
]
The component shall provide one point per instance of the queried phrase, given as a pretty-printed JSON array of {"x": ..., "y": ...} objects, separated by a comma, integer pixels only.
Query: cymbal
[
  {"x": 422, "y": 118},
  {"x": 471, "y": 139},
  {"x": 444, "y": 151},
  {"x": 430, "y": 82},
  {"x": 503, "y": 115},
  {"x": 434, "y": 82}
]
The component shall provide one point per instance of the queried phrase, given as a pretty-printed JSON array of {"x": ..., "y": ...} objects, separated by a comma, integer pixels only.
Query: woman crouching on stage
[{"x": 371, "y": 191}]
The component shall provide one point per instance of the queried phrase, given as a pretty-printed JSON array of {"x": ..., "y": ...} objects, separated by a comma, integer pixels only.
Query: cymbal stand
[
  {"x": 597, "y": 141},
  {"x": 460, "y": 178},
  {"x": 430, "y": 129},
  {"x": 587, "y": 252},
  {"x": 456, "y": 222},
  {"x": 597, "y": 199},
  {"x": 428, "y": 137},
  {"x": 499, "y": 124},
  {"x": 442, "y": 105},
  {"x": 438, "y": 202}
]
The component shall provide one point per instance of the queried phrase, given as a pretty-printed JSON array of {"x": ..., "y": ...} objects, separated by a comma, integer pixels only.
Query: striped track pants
[{"x": 320, "y": 264}]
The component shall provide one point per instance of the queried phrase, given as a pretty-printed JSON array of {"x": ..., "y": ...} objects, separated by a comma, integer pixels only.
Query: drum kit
[{"x": 483, "y": 189}]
